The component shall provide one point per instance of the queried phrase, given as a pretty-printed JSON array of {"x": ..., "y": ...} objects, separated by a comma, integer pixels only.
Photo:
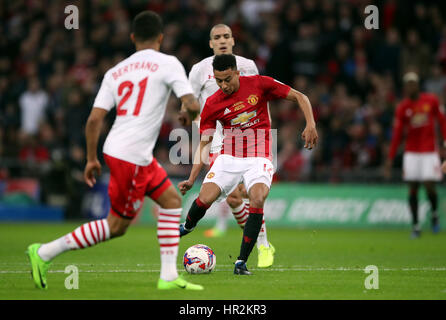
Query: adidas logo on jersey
[{"x": 226, "y": 111}]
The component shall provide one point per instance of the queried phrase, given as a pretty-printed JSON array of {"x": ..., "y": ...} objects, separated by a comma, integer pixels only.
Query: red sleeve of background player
[
  {"x": 398, "y": 128},
  {"x": 207, "y": 120},
  {"x": 441, "y": 117},
  {"x": 273, "y": 89}
]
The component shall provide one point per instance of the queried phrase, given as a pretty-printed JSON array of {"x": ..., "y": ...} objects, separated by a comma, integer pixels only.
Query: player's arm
[
  {"x": 309, "y": 135},
  {"x": 441, "y": 118},
  {"x": 185, "y": 118},
  {"x": 443, "y": 166},
  {"x": 92, "y": 132},
  {"x": 190, "y": 109},
  {"x": 397, "y": 133},
  {"x": 201, "y": 154},
  {"x": 274, "y": 89},
  {"x": 207, "y": 129},
  {"x": 177, "y": 80},
  {"x": 103, "y": 103},
  {"x": 442, "y": 123}
]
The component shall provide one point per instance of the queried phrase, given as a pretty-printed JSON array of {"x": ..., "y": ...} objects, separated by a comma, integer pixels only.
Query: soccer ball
[{"x": 199, "y": 259}]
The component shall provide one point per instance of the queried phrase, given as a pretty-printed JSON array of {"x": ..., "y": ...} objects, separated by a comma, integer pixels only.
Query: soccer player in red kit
[
  {"x": 416, "y": 115},
  {"x": 241, "y": 107},
  {"x": 204, "y": 85}
]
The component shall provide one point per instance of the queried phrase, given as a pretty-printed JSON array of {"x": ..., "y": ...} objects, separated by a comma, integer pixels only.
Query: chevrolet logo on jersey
[
  {"x": 419, "y": 119},
  {"x": 243, "y": 118}
]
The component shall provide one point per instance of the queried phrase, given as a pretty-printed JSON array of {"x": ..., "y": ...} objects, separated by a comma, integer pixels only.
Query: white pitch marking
[{"x": 293, "y": 268}]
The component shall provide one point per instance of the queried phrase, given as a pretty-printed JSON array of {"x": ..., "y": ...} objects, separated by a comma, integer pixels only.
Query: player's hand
[
  {"x": 443, "y": 167},
  {"x": 310, "y": 137},
  {"x": 185, "y": 186},
  {"x": 443, "y": 151},
  {"x": 184, "y": 118},
  {"x": 387, "y": 170},
  {"x": 92, "y": 169}
]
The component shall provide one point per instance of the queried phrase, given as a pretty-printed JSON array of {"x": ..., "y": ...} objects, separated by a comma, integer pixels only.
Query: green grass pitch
[{"x": 309, "y": 264}]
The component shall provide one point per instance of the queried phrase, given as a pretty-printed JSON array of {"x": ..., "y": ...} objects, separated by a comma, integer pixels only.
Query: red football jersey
[
  {"x": 417, "y": 117},
  {"x": 244, "y": 116}
]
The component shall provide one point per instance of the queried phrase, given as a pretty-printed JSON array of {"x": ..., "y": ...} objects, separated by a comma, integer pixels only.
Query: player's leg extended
[
  {"x": 85, "y": 236},
  {"x": 125, "y": 197},
  {"x": 208, "y": 194},
  {"x": 169, "y": 237},
  {"x": 413, "y": 205},
  {"x": 431, "y": 193},
  {"x": 257, "y": 196}
]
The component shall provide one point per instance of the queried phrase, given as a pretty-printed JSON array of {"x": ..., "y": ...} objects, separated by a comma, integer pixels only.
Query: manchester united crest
[
  {"x": 210, "y": 175},
  {"x": 253, "y": 99}
]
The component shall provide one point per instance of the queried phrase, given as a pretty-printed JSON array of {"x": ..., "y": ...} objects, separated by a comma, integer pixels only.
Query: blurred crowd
[{"x": 49, "y": 75}]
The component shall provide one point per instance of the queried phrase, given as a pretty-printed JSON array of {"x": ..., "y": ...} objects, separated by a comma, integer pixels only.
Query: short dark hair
[
  {"x": 224, "y": 62},
  {"x": 147, "y": 25}
]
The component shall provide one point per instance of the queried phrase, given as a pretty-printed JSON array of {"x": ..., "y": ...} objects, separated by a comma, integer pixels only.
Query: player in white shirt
[
  {"x": 139, "y": 87},
  {"x": 204, "y": 85}
]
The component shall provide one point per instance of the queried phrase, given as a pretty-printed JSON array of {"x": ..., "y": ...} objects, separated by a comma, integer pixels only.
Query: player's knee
[
  {"x": 117, "y": 230},
  {"x": 257, "y": 199},
  {"x": 209, "y": 193},
  {"x": 173, "y": 202},
  {"x": 234, "y": 201},
  {"x": 413, "y": 188},
  {"x": 205, "y": 199},
  {"x": 257, "y": 202},
  {"x": 169, "y": 199},
  {"x": 430, "y": 188}
]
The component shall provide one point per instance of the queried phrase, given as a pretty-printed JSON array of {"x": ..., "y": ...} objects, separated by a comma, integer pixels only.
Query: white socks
[
  {"x": 87, "y": 235},
  {"x": 169, "y": 238},
  {"x": 241, "y": 213},
  {"x": 222, "y": 217},
  {"x": 261, "y": 238}
]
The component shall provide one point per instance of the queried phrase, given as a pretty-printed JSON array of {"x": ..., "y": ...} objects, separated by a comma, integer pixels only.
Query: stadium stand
[{"x": 49, "y": 76}]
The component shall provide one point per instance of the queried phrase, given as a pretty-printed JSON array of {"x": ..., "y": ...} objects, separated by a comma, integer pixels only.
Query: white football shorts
[
  {"x": 421, "y": 166},
  {"x": 228, "y": 171}
]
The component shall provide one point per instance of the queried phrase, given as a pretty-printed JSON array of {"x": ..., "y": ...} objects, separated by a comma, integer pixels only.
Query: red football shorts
[{"x": 129, "y": 183}]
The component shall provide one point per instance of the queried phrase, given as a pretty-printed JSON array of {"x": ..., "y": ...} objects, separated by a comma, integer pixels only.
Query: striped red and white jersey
[{"x": 244, "y": 116}]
